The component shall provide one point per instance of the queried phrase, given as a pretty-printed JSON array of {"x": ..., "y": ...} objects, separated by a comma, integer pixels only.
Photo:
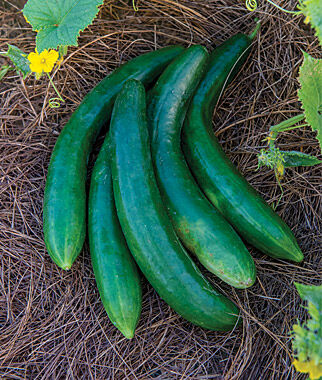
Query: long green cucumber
[
  {"x": 146, "y": 225},
  {"x": 200, "y": 227},
  {"x": 115, "y": 271},
  {"x": 219, "y": 179},
  {"x": 64, "y": 211}
]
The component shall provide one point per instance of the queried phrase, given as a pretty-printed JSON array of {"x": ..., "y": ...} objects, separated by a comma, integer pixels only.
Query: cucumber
[
  {"x": 219, "y": 179},
  {"x": 65, "y": 196},
  {"x": 115, "y": 271},
  {"x": 200, "y": 227},
  {"x": 146, "y": 225}
]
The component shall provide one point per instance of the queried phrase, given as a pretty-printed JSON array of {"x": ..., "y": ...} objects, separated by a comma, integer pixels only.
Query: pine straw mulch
[{"x": 52, "y": 323}]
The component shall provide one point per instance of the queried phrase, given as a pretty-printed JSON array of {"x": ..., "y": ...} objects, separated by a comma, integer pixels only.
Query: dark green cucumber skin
[
  {"x": 146, "y": 225},
  {"x": 116, "y": 274},
  {"x": 200, "y": 227},
  {"x": 64, "y": 213},
  {"x": 219, "y": 179}
]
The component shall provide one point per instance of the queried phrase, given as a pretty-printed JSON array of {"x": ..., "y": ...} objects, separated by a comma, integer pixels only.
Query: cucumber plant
[
  {"x": 310, "y": 95},
  {"x": 57, "y": 24},
  {"x": 307, "y": 337},
  {"x": 311, "y": 9}
]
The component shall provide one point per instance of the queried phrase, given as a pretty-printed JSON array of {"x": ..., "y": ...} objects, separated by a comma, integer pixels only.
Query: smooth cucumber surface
[
  {"x": 116, "y": 274},
  {"x": 200, "y": 227},
  {"x": 64, "y": 209},
  {"x": 219, "y": 179},
  {"x": 146, "y": 225}
]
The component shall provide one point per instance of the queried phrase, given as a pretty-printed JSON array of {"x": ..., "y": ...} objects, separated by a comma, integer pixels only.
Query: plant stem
[
  {"x": 53, "y": 102},
  {"x": 288, "y": 124},
  {"x": 62, "y": 49},
  {"x": 281, "y": 188},
  {"x": 251, "y": 5},
  {"x": 284, "y": 10},
  {"x": 134, "y": 6},
  {"x": 254, "y": 32},
  {"x": 271, "y": 143}
]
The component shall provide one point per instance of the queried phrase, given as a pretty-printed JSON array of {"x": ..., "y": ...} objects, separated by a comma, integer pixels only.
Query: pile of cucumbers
[{"x": 161, "y": 189}]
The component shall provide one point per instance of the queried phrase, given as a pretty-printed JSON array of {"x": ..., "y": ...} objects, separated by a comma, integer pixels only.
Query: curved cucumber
[
  {"x": 146, "y": 225},
  {"x": 65, "y": 197},
  {"x": 115, "y": 272},
  {"x": 200, "y": 227},
  {"x": 224, "y": 186}
]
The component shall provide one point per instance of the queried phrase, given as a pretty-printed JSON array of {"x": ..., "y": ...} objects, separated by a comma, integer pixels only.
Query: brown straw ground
[{"x": 52, "y": 323}]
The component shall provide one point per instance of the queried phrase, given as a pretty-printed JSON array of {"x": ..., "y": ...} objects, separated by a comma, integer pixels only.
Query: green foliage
[
  {"x": 311, "y": 294},
  {"x": 286, "y": 125},
  {"x": 272, "y": 158},
  {"x": 293, "y": 158},
  {"x": 134, "y": 6},
  {"x": 278, "y": 160},
  {"x": 307, "y": 338},
  {"x": 312, "y": 10},
  {"x": 59, "y": 22},
  {"x": 19, "y": 59},
  {"x": 310, "y": 93}
]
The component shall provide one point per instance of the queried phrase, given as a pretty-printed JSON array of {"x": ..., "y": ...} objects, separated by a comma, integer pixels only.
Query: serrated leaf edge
[
  {"x": 306, "y": 12},
  {"x": 299, "y": 93},
  {"x": 76, "y": 37}
]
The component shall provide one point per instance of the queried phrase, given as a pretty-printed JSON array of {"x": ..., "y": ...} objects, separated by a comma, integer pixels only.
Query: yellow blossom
[
  {"x": 307, "y": 19},
  {"x": 269, "y": 138},
  {"x": 314, "y": 370},
  {"x": 43, "y": 62}
]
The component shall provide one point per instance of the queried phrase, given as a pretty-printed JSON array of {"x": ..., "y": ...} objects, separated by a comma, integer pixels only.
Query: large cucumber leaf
[
  {"x": 312, "y": 10},
  {"x": 59, "y": 22},
  {"x": 310, "y": 93}
]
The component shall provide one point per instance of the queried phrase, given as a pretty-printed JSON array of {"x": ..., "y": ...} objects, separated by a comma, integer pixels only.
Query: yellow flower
[
  {"x": 43, "y": 62},
  {"x": 314, "y": 370},
  {"x": 307, "y": 19}
]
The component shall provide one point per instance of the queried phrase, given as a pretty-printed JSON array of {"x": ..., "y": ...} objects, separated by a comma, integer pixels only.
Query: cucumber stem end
[{"x": 257, "y": 27}]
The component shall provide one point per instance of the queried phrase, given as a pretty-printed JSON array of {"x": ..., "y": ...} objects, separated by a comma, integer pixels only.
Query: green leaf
[
  {"x": 287, "y": 125},
  {"x": 310, "y": 93},
  {"x": 19, "y": 59},
  {"x": 293, "y": 158},
  {"x": 307, "y": 338},
  {"x": 311, "y": 293},
  {"x": 4, "y": 70},
  {"x": 59, "y": 22},
  {"x": 312, "y": 10}
]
